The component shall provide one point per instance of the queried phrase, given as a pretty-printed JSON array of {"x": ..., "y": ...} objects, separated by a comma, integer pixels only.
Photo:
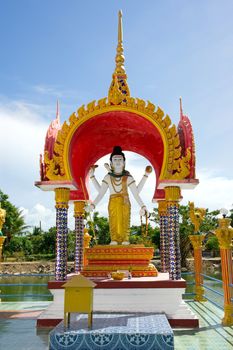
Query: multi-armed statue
[{"x": 118, "y": 180}]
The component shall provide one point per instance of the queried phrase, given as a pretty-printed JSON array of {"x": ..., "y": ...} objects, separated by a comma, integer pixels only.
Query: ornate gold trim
[
  {"x": 196, "y": 241},
  {"x": 172, "y": 160},
  {"x": 172, "y": 193},
  {"x": 62, "y": 196},
  {"x": 79, "y": 208},
  {"x": 162, "y": 207}
]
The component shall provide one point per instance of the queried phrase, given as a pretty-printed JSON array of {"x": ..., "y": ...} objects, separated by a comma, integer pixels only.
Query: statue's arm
[
  {"x": 93, "y": 178},
  {"x": 95, "y": 183},
  {"x": 144, "y": 178},
  {"x": 134, "y": 191},
  {"x": 102, "y": 191}
]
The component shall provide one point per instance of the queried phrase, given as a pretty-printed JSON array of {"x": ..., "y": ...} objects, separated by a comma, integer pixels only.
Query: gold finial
[{"x": 119, "y": 84}]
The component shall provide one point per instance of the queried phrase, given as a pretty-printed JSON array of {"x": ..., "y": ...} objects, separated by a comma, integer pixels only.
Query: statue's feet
[
  {"x": 125, "y": 243},
  {"x": 113, "y": 243}
]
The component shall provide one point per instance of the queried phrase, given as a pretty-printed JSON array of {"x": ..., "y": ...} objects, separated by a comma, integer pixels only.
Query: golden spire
[
  {"x": 120, "y": 59},
  {"x": 119, "y": 84}
]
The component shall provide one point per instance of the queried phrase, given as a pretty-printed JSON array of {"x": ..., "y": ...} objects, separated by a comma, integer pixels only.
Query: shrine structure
[{"x": 89, "y": 134}]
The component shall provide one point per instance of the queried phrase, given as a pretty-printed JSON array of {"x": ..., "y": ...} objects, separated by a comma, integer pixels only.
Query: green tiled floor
[
  {"x": 24, "y": 305},
  {"x": 210, "y": 335}
]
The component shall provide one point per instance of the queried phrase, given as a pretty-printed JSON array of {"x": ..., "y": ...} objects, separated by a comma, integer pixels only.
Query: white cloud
[{"x": 213, "y": 192}]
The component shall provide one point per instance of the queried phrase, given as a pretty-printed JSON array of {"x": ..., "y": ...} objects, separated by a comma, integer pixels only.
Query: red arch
[{"x": 97, "y": 136}]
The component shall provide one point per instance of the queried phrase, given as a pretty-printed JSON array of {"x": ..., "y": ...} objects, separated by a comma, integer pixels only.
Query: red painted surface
[
  {"x": 48, "y": 322},
  {"x": 97, "y": 136},
  {"x": 182, "y": 323},
  {"x": 106, "y": 284}
]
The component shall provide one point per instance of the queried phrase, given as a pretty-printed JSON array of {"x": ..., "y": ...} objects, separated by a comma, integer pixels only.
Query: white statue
[{"x": 118, "y": 180}]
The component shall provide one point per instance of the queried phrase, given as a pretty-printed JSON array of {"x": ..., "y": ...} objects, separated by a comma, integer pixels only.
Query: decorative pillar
[
  {"x": 86, "y": 244},
  {"x": 172, "y": 196},
  {"x": 62, "y": 199},
  {"x": 196, "y": 241},
  {"x": 224, "y": 234},
  {"x": 164, "y": 239},
  {"x": 79, "y": 213}
]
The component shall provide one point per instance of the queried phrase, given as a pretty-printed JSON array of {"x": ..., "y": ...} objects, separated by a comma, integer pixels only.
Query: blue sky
[{"x": 66, "y": 50}]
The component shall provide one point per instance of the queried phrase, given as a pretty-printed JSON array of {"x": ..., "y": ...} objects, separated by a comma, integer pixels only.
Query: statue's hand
[
  {"x": 143, "y": 211},
  {"x": 148, "y": 170},
  {"x": 92, "y": 170},
  {"x": 106, "y": 165},
  {"x": 89, "y": 208}
]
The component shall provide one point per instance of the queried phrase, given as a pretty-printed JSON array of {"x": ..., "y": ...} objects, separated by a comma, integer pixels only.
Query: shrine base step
[{"x": 114, "y": 331}]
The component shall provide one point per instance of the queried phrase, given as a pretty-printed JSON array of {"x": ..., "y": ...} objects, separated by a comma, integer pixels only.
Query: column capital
[
  {"x": 172, "y": 193},
  {"x": 62, "y": 196},
  {"x": 79, "y": 208},
  {"x": 224, "y": 233},
  {"x": 162, "y": 207},
  {"x": 196, "y": 241}
]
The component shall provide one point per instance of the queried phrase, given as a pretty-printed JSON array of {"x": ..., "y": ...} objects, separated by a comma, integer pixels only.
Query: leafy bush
[{"x": 212, "y": 243}]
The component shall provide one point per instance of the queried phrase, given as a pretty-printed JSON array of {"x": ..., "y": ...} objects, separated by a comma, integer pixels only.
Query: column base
[{"x": 228, "y": 315}]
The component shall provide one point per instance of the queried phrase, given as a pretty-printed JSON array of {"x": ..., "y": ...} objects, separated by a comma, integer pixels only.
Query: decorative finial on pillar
[
  {"x": 119, "y": 76},
  {"x": 58, "y": 112},
  {"x": 181, "y": 109}
]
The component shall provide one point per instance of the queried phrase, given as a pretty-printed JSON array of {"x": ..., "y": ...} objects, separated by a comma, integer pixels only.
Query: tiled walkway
[
  {"x": 22, "y": 309},
  {"x": 21, "y": 333},
  {"x": 210, "y": 335}
]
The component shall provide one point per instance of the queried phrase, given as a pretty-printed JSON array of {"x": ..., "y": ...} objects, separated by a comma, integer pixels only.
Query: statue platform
[
  {"x": 142, "y": 294},
  {"x": 114, "y": 331},
  {"x": 104, "y": 259}
]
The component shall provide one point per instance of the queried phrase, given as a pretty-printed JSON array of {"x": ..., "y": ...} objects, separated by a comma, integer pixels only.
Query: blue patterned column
[
  {"x": 172, "y": 195},
  {"x": 164, "y": 238},
  {"x": 62, "y": 199},
  {"x": 79, "y": 212}
]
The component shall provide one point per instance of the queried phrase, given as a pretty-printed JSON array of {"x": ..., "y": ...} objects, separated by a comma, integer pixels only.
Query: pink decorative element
[
  {"x": 185, "y": 132},
  {"x": 42, "y": 168},
  {"x": 52, "y": 132}
]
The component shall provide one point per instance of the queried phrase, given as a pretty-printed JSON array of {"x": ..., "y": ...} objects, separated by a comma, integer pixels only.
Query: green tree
[
  {"x": 137, "y": 235},
  {"x": 212, "y": 245},
  {"x": 99, "y": 229},
  {"x": 187, "y": 228},
  {"x": 14, "y": 223},
  {"x": 231, "y": 217},
  {"x": 49, "y": 241}
]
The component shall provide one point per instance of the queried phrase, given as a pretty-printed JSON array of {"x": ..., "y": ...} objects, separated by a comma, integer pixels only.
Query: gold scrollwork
[
  {"x": 181, "y": 165},
  {"x": 53, "y": 167}
]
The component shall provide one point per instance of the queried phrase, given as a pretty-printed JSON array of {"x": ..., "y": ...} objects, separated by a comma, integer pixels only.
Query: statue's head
[{"x": 117, "y": 160}]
